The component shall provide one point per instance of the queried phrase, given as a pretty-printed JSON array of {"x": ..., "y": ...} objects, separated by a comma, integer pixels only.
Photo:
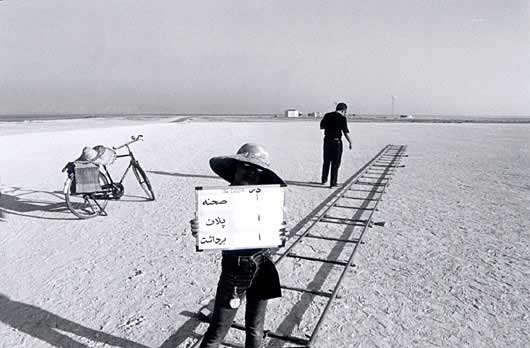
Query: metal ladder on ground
[{"x": 370, "y": 180}]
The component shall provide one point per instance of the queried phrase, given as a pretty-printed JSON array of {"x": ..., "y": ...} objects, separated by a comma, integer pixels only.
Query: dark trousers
[
  {"x": 223, "y": 314},
  {"x": 332, "y": 157}
]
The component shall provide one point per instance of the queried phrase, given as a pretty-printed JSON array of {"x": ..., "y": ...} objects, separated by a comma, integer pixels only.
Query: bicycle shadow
[
  {"x": 183, "y": 175},
  {"x": 49, "y": 327},
  {"x": 16, "y": 202},
  {"x": 288, "y": 182},
  {"x": 134, "y": 199},
  {"x": 3, "y": 217}
]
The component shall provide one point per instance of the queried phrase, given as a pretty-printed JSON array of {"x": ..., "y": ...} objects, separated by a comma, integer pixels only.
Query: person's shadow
[
  {"x": 49, "y": 327},
  {"x": 187, "y": 330}
]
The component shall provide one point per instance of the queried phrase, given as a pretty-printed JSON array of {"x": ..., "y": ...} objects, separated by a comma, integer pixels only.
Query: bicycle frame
[
  {"x": 89, "y": 204},
  {"x": 133, "y": 160},
  {"x": 128, "y": 154}
]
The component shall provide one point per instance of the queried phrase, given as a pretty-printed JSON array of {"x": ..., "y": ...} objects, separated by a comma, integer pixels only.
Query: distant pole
[{"x": 393, "y": 101}]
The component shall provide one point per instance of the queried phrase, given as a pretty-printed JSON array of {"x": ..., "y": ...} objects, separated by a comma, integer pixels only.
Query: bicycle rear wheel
[
  {"x": 143, "y": 180},
  {"x": 85, "y": 205}
]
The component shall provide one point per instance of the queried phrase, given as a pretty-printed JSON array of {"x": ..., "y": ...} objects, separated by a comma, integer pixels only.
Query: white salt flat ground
[{"x": 450, "y": 269}]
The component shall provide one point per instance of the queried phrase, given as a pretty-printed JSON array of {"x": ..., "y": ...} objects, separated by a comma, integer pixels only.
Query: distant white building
[{"x": 292, "y": 113}]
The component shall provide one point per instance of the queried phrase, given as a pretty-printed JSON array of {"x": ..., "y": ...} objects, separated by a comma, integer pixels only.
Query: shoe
[{"x": 324, "y": 182}]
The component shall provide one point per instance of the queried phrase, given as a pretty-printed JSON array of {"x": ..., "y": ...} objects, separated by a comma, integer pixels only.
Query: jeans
[
  {"x": 332, "y": 157},
  {"x": 223, "y": 314}
]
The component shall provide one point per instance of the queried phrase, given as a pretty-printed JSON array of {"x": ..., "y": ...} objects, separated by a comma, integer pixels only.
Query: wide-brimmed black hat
[{"x": 250, "y": 153}]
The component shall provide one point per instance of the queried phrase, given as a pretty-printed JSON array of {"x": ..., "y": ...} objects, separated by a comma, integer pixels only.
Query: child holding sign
[{"x": 245, "y": 272}]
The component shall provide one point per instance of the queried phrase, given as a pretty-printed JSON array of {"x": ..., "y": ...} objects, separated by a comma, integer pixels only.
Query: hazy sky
[{"x": 467, "y": 57}]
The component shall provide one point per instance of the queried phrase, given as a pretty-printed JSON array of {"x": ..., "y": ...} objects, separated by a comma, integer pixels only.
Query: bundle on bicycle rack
[
  {"x": 86, "y": 177},
  {"x": 100, "y": 155},
  {"x": 86, "y": 168}
]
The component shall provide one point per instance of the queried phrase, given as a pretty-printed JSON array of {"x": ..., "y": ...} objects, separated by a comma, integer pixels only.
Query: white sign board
[{"x": 239, "y": 217}]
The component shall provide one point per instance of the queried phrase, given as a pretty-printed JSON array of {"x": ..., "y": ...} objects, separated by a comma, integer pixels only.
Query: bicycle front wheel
[
  {"x": 143, "y": 181},
  {"x": 84, "y": 205}
]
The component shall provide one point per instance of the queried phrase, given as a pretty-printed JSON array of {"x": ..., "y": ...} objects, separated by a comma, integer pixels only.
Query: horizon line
[{"x": 245, "y": 114}]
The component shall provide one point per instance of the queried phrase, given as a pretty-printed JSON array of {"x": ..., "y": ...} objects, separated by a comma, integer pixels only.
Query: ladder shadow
[
  {"x": 290, "y": 322},
  {"x": 187, "y": 330}
]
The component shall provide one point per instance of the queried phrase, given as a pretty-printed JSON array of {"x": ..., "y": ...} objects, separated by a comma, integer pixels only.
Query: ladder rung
[
  {"x": 311, "y": 291},
  {"x": 380, "y": 172},
  {"x": 394, "y": 156},
  {"x": 232, "y": 344},
  {"x": 372, "y": 191},
  {"x": 342, "y": 223},
  {"x": 335, "y": 239},
  {"x": 309, "y": 258},
  {"x": 297, "y": 340},
  {"x": 388, "y": 166},
  {"x": 361, "y": 198},
  {"x": 345, "y": 219},
  {"x": 354, "y": 208},
  {"x": 369, "y": 183}
]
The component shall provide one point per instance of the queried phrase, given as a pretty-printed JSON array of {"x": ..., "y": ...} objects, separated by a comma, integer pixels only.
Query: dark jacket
[{"x": 256, "y": 275}]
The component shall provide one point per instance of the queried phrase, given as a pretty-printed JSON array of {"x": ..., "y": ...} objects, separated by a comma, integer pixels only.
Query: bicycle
[{"x": 86, "y": 205}]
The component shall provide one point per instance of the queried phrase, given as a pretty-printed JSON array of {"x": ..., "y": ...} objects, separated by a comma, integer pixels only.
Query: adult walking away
[
  {"x": 246, "y": 273},
  {"x": 334, "y": 125}
]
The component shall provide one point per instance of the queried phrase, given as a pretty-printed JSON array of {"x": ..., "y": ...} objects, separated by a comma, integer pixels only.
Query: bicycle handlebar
[{"x": 134, "y": 139}]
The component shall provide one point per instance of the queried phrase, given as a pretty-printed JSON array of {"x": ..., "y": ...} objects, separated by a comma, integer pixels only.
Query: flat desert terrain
[{"x": 451, "y": 268}]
